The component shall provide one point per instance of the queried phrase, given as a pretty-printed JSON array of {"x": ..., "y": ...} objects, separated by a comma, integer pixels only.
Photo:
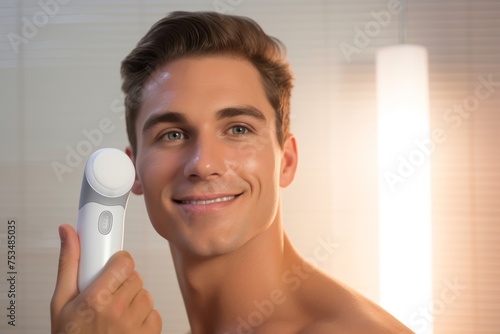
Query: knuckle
[
  {"x": 137, "y": 278},
  {"x": 126, "y": 255},
  {"x": 115, "y": 313},
  {"x": 133, "y": 282},
  {"x": 145, "y": 298},
  {"x": 99, "y": 299},
  {"x": 123, "y": 258},
  {"x": 154, "y": 321}
]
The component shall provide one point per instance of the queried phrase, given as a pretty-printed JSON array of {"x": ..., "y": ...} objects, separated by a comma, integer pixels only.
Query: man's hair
[{"x": 191, "y": 34}]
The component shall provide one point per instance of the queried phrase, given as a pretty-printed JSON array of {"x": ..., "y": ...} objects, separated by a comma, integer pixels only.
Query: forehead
[{"x": 200, "y": 86}]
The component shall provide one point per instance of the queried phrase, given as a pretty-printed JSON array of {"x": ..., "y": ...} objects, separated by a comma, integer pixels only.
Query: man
[{"x": 207, "y": 105}]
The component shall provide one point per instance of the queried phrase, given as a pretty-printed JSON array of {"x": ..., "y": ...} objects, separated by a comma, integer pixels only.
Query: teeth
[{"x": 220, "y": 199}]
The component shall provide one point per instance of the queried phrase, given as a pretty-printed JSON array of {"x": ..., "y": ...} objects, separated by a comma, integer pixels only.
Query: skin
[{"x": 210, "y": 168}]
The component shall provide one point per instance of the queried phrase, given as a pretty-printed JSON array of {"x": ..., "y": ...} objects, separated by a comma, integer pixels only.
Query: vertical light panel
[{"x": 404, "y": 152}]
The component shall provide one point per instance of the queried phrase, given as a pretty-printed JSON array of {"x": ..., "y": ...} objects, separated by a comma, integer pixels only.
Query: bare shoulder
[
  {"x": 333, "y": 307},
  {"x": 328, "y": 327}
]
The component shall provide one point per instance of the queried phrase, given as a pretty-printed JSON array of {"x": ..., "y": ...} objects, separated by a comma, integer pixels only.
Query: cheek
[
  {"x": 258, "y": 164},
  {"x": 264, "y": 169},
  {"x": 154, "y": 171}
]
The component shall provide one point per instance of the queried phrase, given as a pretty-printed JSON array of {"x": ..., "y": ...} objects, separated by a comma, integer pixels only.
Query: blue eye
[
  {"x": 173, "y": 135},
  {"x": 239, "y": 130}
]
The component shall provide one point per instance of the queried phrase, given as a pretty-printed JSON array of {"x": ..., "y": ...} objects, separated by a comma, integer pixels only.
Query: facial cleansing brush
[{"x": 107, "y": 180}]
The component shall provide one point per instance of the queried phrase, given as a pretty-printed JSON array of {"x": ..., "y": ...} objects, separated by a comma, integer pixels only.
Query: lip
[{"x": 206, "y": 203}]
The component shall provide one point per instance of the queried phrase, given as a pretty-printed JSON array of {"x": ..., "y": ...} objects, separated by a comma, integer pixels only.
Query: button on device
[{"x": 105, "y": 222}]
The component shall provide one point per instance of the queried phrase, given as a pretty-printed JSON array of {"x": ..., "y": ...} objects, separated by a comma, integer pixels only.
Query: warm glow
[{"x": 404, "y": 153}]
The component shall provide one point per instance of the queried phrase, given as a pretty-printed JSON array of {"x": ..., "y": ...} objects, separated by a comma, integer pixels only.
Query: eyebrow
[
  {"x": 240, "y": 111},
  {"x": 166, "y": 117},
  {"x": 176, "y": 117}
]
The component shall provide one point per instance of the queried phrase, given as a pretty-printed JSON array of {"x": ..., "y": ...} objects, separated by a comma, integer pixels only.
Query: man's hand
[{"x": 115, "y": 302}]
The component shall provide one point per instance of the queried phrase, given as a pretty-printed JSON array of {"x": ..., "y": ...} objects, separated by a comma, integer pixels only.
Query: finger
[
  {"x": 117, "y": 270},
  {"x": 141, "y": 306},
  {"x": 153, "y": 322},
  {"x": 67, "y": 275},
  {"x": 128, "y": 291}
]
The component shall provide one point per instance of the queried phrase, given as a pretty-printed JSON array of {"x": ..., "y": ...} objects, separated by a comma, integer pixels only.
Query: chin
[
  {"x": 206, "y": 243},
  {"x": 209, "y": 235},
  {"x": 206, "y": 248}
]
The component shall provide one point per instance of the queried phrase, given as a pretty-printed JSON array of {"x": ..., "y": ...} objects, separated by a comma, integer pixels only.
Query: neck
[{"x": 221, "y": 291}]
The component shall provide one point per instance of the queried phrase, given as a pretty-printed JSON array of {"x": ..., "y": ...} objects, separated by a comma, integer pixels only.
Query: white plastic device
[{"x": 107, "y": 180}]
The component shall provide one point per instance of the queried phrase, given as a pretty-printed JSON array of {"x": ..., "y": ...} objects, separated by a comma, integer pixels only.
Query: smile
[{"x": 210, "y": 201}]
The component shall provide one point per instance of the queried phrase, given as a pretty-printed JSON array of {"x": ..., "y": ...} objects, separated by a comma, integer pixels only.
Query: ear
[
  {"x": 137, "y": 186},
  {"x": 289, "y": 160}
]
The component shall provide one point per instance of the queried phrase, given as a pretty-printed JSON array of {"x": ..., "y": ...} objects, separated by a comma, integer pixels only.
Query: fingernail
[{"x": 62, "y": 234}]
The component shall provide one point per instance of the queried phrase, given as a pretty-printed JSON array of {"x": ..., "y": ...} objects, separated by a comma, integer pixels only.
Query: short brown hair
[{"x": 185, "y": 34}]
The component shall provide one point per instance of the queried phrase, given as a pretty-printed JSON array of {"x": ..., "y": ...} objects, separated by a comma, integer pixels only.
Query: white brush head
[{"x": 110, "y": 172}]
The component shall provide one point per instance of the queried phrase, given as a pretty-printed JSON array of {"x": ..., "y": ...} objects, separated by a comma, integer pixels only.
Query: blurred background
[{"x": 60, "y": 100}]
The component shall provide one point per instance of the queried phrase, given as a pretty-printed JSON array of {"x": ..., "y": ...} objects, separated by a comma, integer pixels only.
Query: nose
[{"x": 206, "y": 159}]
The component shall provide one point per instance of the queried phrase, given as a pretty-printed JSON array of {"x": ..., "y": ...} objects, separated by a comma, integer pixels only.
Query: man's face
[{"x": 208, "y": 161}]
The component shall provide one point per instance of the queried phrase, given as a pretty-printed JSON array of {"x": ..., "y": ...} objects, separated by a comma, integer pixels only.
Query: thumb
[{"x": 67, "y": 276}]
